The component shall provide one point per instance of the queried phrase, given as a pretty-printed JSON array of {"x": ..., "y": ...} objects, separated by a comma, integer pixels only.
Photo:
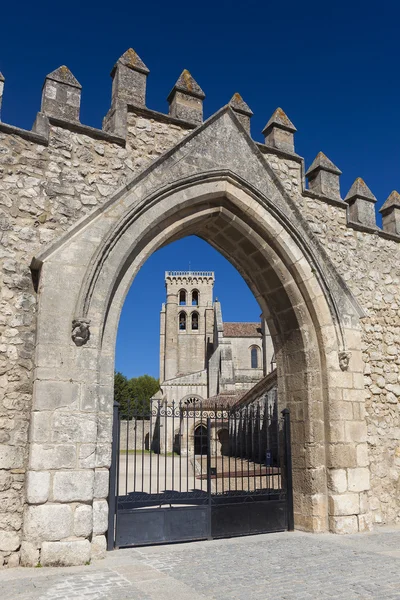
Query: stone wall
[
  {"x": 134, "y": 435},
  {"x": 53, "y": 176},
  {"x": 370, "y": 266}
]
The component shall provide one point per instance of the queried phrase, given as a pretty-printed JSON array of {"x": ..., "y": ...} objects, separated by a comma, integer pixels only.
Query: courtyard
[{"x": 276, "y": 566}]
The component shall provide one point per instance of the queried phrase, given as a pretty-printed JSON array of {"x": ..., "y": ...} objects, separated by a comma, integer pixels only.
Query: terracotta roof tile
[{"x": 242, "y": 329}]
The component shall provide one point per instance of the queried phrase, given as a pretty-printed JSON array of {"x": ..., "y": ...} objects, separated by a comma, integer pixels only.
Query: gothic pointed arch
[{"x": 228, "y": 195}]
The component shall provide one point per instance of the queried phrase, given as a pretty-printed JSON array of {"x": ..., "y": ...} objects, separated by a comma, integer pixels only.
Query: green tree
[
  {"x": 121, "y": 389},
  {"x": 141, "y": 390},
  {"x": 133, "y": 395}
]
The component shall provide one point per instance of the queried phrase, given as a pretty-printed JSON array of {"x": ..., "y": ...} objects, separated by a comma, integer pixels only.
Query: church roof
[{"x": 242, "y": 329}]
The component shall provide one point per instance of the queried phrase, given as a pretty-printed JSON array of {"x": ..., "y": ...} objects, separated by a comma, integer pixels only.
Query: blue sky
[{"x": 333, "y": 67}]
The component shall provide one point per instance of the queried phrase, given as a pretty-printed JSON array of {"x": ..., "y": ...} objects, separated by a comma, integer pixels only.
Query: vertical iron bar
[
  {"x": 158, "y": 441},
  {"x": 222, "y": 456},
  {"x": 268, "y": 423},
  {"x": 187, "y": 447},
  {"x": 165, "y": 448},
  {"x": 173, "y": 446},
  {"x": 180, "y": 445},
  {"x": 209, "y": 476},
  {"x": 150, "y": 443},
  {"x": 194, "y": 445},
  {"x": 288, "y": 468},
  {"x": 259, "y": 430},
  {"x": 229, "y": 448},
  {"x": 113, "y": 487},
  {"x": 127, "y": 448},
  {"x": 248, "y": 432},
  {"x": 201, "y": 446},
  {"x": 142, "y": 490},
  {"x": 135, "y": 445}
]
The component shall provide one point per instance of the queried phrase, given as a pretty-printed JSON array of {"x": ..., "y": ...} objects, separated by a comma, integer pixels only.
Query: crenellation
[
  {"x": 361, "y": 204},
  {"x": 61, "y": 95},
  {"x": 391, "y": 214},
  {"x": 186, "y": 99},
  {"x": 242, "y": 110},
  {"x": 323, "y": 177},
  {"x": 279, "y": 131}
]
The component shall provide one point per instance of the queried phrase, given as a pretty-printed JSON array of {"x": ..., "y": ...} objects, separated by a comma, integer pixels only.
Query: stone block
[
  {"x": 29, "y": 554},
  {"x": 37, "y": 486},
  {"x": 87, "y": 456},
  {"x": 73, "y": 486},
  {"x": 344, "y": 504},
  {"x": 52, "y": 395},
  {"x": 365, "y": 522},
  {"x": 52, "y": 456},
  {"x": 68, "y": 427},
  {"x": 101, "y": 481},
  {"x": 65, "y": 554},
  {"x": 13, "y": 560},
  {"x": 343, "y": 525},
  {"x": 40, "y": 426},
  {"x": 100, "y": 516},
  {"x": 99, "y": 547},
  {"x": 11, "y": 457},
  {"x": 337, "y": 480},
  {"x": 342, "y": 456},
  {"x": 83, "y": 521},
  {"x": 9, "y": 541},
  {"x": 103, "y": 455},
  {"x": 358, "y": 479},
  {"x": 104, "y": 431},
  {"x": 49, "y": 522},
  {"x": 355, "y": 431}
]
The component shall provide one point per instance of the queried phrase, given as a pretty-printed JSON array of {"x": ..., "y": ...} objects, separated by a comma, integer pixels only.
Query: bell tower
[{"x": 186, "y": 323}]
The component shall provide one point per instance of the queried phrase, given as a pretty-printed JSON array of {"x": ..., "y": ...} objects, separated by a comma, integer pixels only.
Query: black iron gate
[{"x": 192, "y": 471}]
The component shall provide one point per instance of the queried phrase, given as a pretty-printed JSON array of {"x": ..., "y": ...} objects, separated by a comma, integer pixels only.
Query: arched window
[
  {"x": 182, "y": 321},
  {"x": 182, "y": 298},
  {"x": 254, "y": 357},
  {"x": 195, "y": 298},
  {"x": 195, "y": 321}
]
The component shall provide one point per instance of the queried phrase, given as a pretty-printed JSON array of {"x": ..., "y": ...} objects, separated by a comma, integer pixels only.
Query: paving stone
[{"x": 282, "y": 566}]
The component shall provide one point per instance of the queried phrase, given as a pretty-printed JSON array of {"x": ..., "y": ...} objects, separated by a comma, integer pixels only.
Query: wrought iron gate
[{"x": 192, "y": 471}]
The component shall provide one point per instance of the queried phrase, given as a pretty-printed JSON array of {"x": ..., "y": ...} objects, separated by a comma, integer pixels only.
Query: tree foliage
[{"x": 133, "y": 395}]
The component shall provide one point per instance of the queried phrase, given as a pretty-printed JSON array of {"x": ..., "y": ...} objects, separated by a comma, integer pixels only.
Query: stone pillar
[
  {"x": 61, "y": 95},
  {"x": 242, "y": 110},
  {"x": 129, "y": 77},
  {"x": 391, "y": 214},
  {"x": 186, "y": 99},
  {"x": 171, "y": 336},
  {"x": 361, "y": 204},
  {"x": 323, "y": 177},
  {"x": 1, "y": 90},
  {"x": 279, "y": 131}
]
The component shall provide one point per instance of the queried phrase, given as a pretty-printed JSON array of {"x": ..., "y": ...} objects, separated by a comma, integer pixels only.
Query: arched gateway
[
  {"x": 325, "y": 275},
  {"x": 216, "y": 184}
]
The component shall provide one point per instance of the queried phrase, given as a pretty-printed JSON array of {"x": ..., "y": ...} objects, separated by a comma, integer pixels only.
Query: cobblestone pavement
[{"x": 281, "y": 566}]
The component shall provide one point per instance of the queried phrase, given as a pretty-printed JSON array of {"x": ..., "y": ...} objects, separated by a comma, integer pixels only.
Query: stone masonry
[{"x": 78, "y": 205}]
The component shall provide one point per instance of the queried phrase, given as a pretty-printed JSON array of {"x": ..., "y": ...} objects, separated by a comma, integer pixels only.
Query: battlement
[
  {"x": 189, "y": 274},
  {"x": 60, "y": 108}
]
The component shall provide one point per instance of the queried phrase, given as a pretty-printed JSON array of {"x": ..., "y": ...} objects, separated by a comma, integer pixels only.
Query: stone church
[
  {"x": 202, "y": 357},
  {"x": 81, "y": 210}
]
